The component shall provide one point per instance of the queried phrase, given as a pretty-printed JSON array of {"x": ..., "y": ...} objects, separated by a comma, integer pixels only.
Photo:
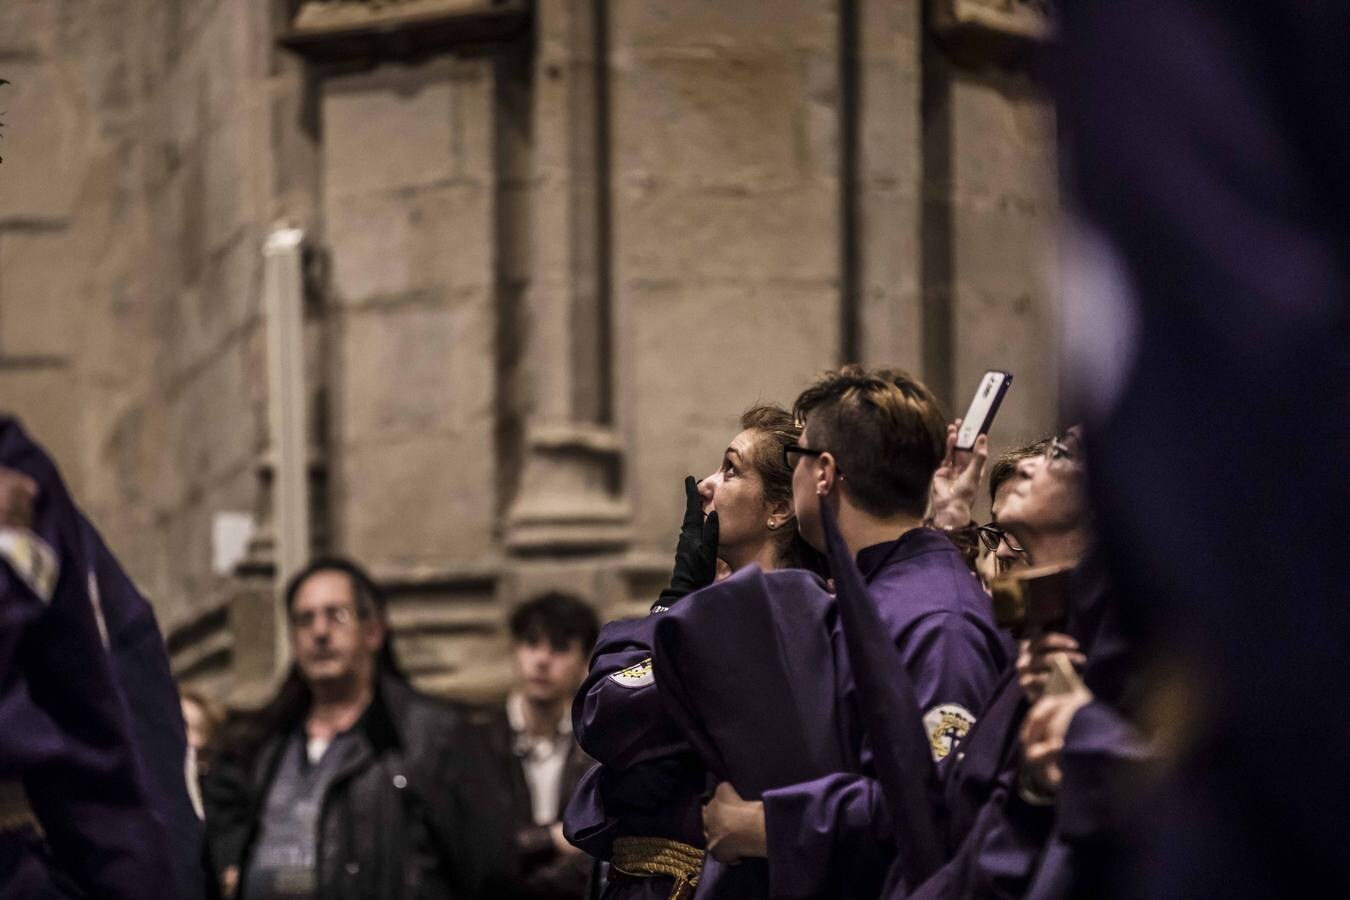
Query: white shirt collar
[{"x": 515, "y": 717}]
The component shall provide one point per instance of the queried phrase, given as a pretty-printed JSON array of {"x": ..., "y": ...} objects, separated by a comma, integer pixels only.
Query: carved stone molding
[
  {"x": 992, "y": 28},
  {"x": 350, "y": 31},
  {"x": 569, "y": 498},
  {"x": 201, "y": 649}
]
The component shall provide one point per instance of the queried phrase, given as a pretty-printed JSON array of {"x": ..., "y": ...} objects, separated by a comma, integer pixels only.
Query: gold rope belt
[
  {"x": 643, "y": 857},
  {"x": 15, "y": 812}
]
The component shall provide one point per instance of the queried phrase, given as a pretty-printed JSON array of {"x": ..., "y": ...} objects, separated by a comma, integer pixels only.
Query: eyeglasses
[
  {"x": 792, "y": 454},
  {"x": 1063, "y": 448},
  {"x": 336, "y": 615},
  {"x": 991, "y": 536}
]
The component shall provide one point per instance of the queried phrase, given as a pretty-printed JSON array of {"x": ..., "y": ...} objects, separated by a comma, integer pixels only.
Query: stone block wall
[
  {"x": 137, "y": 189},
  {"x": 725, "y": 185},
  {"x": 550, "y": 270},
  {"x": 1004, "y": 202},
  {"x": 408, "y": 218}
]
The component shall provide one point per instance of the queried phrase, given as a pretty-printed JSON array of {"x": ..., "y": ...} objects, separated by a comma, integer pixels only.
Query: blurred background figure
[
  {"x": 531, "y": 738},
  {"x": 1207, "y": 283},
  {"x": 95, "y": 799},
  {"x": 350, "y": 782},
  {"x": 204, "y": 718}
]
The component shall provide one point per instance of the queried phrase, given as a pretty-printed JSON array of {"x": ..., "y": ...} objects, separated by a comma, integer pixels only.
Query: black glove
[{"x": 696, "y": 551}]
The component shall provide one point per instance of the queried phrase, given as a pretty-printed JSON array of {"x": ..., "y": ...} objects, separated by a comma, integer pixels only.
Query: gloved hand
[{"x": 695, "y": 552}]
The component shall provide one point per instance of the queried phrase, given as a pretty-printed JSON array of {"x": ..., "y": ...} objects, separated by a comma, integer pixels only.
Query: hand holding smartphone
[{"x": 983, "y": 407}]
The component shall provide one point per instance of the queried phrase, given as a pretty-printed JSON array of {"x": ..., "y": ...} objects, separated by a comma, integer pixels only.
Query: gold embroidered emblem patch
[
  {"x": 946, "y": 725},
  {"x": 31, "y": 559},
  {"x": 636, "y": 676}
]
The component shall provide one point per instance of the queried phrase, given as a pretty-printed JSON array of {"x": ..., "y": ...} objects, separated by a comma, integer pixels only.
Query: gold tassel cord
[{"x": 644, "y": 857}]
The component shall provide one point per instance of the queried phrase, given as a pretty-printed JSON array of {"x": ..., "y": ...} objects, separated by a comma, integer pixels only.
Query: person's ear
[
  {"x": 374, "y": 633},
  {"x": 780, "y": 514},
  {"x": 827, "y": 473}
]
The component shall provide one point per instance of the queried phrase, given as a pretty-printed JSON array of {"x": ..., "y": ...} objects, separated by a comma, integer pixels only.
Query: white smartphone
[{"x": 983, "y": 407}]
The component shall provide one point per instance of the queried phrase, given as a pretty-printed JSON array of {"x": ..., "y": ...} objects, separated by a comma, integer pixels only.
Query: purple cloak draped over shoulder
[
  {"x": 838, "y": 829},
  {"x": 754, "y": 671},
  {"x": 749, "y": 678},
  {"x": 64, "y": 729}
]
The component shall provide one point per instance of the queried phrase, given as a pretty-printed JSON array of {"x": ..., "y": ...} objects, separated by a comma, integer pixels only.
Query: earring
[{"x": 773, "y": 526}]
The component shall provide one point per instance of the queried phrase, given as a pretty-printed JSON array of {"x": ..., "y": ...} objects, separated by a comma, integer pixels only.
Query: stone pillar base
[{"x": 569, "y": 498}]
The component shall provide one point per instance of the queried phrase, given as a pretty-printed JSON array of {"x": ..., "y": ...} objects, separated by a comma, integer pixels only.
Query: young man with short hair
[
  {"x": 871, "y": 443},
  {"x": 531, "y": 737}
]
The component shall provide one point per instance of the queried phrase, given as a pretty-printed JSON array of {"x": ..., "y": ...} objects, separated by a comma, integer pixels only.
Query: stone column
[
  {"x": 990, "y": 157},
  {"x": 569, "y": 495},
  {"x": 889, "y": 185}
]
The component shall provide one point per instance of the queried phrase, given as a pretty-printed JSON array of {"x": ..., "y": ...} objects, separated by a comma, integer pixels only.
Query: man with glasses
[
  {"x": 351, "y": 783},
  {"x": 871, "y": 443}
]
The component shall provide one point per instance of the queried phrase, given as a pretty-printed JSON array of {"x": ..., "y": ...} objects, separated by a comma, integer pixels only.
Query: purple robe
[
  {"x": 1104, "y": 760},
  {"x": 755, "y": 673},
  {"x": 756, "y": 663},
  {"x": 889, "y": 709},
  {"x": 648, "y": 781},
  {"x": 140, "y": 663},
  {"x": 64, "y": 730},
  {"x": 1209, "y": 144},
  {"x": 999, "y": 843},
  {"x": 994, "y": 838},
  {"x": 749, "y": 683},
  {"x": 837, "y": 828}
]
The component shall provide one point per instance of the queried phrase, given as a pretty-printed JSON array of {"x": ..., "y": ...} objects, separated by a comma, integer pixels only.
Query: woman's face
[
  {"x": 1049, "y": 493},
  {"x": 736, "y": 492}
]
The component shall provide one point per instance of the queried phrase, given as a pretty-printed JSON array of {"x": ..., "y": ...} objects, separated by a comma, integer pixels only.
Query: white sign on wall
[{"x": 230, "y": 535}]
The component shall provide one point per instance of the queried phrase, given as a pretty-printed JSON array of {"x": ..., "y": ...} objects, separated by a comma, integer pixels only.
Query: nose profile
[{"x": 708, "y": 485}]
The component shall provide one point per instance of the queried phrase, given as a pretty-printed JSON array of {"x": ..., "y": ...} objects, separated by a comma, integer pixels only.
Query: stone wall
[
  {"x": 139, "y": 179},
  {"x": 726, "y": 209},
  {"x": 1002, "y": 201},
  {"x": 557, "y": 248}
]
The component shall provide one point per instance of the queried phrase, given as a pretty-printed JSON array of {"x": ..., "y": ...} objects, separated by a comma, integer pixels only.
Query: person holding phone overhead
[
  {"x": 1001, "y": 812},
  {"x": 956, "y": 482},
  {"x": 871, "y": 443}
]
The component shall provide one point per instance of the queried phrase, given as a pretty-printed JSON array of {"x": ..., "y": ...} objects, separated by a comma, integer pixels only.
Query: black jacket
[
  {"x": 411, "y": 814},
  {"x": 543, "y": 874}
]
